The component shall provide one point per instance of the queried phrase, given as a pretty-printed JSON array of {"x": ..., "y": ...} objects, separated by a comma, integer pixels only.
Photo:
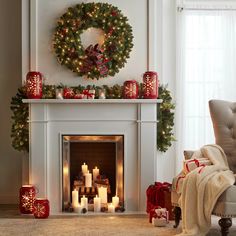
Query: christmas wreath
[
  {"x": 95, "y": 61},
  {"x": 20, "y": 128}
]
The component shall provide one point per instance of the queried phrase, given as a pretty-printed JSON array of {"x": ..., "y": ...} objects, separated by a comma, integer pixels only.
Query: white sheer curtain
[{"x": 206, "y": 68}]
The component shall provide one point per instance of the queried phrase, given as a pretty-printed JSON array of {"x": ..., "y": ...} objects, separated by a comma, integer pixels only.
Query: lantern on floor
[
  {"x": 41, "y": 208},
  {"x": 34, "y": 85},
  {"x": 131, "y": 89},
  {"x": 27, "y": 198},
  {"x": 150, "y": 85}
]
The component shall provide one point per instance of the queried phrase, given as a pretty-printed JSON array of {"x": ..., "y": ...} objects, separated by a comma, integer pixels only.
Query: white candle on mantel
[
  {"x": 111, "y": 208},
  {"x": 75, "y": 198},
  {"x": 102, "y": 193},
  {"x": 95, "y": 173},
  {"x": 88, "y": 180},
  {"x": 97, "y": 204},
  {"x": 84, "y": 168},
  {"x": 84, "y": 202},
  {"x": 115, "y": 201},
  {"x": 78, "y": 209}
]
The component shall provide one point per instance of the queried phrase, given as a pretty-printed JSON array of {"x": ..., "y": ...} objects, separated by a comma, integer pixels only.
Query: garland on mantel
[{"x": 20, "y": 127}]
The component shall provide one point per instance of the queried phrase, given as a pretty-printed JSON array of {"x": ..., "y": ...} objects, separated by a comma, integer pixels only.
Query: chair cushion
[{"x": 223, "y": 115}]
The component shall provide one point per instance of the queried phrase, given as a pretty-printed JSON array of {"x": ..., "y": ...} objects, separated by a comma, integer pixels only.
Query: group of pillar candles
[{"x": 98, "y": 200}]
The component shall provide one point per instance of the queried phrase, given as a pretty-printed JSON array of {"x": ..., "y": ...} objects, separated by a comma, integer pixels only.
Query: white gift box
[
  {"x": 192, "y": 164},
  {"x": 162, "y": 218}
]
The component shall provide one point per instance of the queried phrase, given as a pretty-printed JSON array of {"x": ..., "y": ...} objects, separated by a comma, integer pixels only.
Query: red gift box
[
  {"x": 34, "y": 85},
  {"x": 27, "y": 198},
  {"x": 41, "y": 208},
  {"x": 159, "y": 195}
]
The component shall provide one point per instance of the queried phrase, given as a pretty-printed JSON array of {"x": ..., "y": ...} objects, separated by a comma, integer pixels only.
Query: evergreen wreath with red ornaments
[{"x": 94, "y": 61}]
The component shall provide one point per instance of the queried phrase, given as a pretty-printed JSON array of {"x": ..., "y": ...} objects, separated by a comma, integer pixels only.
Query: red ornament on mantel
[
  {"x": 41, "y": 208},
  {"x": 131, "y": 89},
  {"x": 150, "y": 85},
  {"x": 34, "y": 85},
  {"x": 27, "y": 198},
  {"x": 68, "y": 93}
]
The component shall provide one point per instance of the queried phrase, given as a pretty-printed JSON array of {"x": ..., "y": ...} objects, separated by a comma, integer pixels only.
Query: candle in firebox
[
  {"x": 75, "y": 197},
  {"x": 111, "y": 208},
  {"x": 78, "y": 209},
  {"x": 84, "y": 168},
  {"x": 84, "y": 202},
  {"x": 95, "y": 173},
  {"x": 97, "y": 204},
  {"x": 115, "y": 201},
  {"x": 88, "y": 179},
  {"x": 102, "y": 193}
]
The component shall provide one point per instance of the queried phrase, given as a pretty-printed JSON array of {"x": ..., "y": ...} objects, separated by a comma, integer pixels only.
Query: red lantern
[
  {"x": 34, "y": 85},
  {"x": 150, "y": 85},
  {"x": 41, "y": 208},
  {"x": 27, "y": 198},
  {"x": 131, "y": 89}
]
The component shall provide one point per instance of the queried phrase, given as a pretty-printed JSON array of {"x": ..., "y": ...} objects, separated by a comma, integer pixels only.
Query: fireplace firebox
[{"x": 103, "y": 152}]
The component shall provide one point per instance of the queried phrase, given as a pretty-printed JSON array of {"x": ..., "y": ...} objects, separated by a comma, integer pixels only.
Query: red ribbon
[
  {"x": 190, "y": 161},
  {"x": 87, "y": 93}
]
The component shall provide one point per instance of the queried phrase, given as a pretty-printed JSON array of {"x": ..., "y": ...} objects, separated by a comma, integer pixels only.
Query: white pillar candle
[
  {"x": 84, "y": 168},
  {"x": 102, "y": 193},
  {"x": 95, "y": 173},
  {"x": 115, "y": 201},
  {"x": 111, "y": 208},
  {"x": 97, "y": 204},
  {"x": 78, "y": 209},
  {"x": 84, "y": 202},
  {"x": 75, "y": 198},
  {"x": 88, "y": 180}
]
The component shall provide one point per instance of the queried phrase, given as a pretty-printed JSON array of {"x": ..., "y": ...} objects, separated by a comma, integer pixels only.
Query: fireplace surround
[{"x": 51, "y": 120}]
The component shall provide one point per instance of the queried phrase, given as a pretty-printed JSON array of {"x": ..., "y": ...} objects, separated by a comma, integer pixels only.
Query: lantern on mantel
[
  {"x": 34, "y": 85},
  {"x": 27, "y": 198},
  {"x": 150, "y": 85},
  {"x": 131, "y": 89},
  {"x": 41, "y": 208}
]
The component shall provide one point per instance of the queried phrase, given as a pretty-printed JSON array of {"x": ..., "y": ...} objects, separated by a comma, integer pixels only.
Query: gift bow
[
  {"x": 88, "y": 94},
  {"x": 197, "y": 163}
]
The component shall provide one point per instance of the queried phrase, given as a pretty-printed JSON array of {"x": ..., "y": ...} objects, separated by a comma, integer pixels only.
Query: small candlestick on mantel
[{"x": 75, "y": 198}]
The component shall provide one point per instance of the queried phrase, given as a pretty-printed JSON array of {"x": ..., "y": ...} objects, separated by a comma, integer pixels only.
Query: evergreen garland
[
  {"x": 20, "y": 127},
  {"x": 94, "y": 61},
  {"x": 165, "y": 134}
]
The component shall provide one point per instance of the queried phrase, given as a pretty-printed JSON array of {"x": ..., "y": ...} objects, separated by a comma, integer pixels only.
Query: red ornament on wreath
[
  {"x": 27, "y": 198},
  {"x": 150, "y": 85},
  {"x": 131, "y": 89},
  {"x": 41, "y": 208},
  {"x": 34, "y": 85}
]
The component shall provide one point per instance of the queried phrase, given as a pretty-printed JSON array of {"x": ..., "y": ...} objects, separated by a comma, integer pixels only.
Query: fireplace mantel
[
  {"x": 93, "y": 101},
  {"x": 135, "y": 119}
]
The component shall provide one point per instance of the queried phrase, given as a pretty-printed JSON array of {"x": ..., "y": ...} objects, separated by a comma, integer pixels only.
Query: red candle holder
[
  {"x": 131, "y": 89},
  {"x": 150, "y": 85},
  {"x": 41, "y": 208},
  {"x": 34, "y": 85},
  {"x": 27, "y": 198}
]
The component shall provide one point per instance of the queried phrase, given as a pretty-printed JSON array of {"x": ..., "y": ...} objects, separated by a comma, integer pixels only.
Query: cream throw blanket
[{"x": 200, "y": 191}]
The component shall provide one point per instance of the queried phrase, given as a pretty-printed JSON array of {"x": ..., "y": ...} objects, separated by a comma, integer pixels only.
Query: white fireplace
[{"x": 134, "y": 120}]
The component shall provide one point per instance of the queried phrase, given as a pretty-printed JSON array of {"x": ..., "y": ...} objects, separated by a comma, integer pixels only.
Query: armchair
[{"x": 223, "y": 115}]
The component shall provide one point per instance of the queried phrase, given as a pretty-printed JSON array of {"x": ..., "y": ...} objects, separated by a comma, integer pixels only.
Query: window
[{"x": 206, "y": 65}]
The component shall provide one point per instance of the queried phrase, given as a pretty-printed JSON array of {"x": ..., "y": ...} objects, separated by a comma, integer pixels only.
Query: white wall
[
  {"x": 10, "y": 80},
  {"x": 10, "y": 73}
]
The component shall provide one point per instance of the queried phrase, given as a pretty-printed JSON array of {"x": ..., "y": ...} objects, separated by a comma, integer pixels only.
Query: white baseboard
[{"x": 9, "y": 199}]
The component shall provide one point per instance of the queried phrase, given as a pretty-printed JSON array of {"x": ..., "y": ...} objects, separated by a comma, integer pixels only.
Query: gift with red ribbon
[
  {"x": 159, "y": 195},
  {"x": 161, "y": 218},
  {"x": 192, "y": 164},
  {"x": 89, "y": 93}
]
